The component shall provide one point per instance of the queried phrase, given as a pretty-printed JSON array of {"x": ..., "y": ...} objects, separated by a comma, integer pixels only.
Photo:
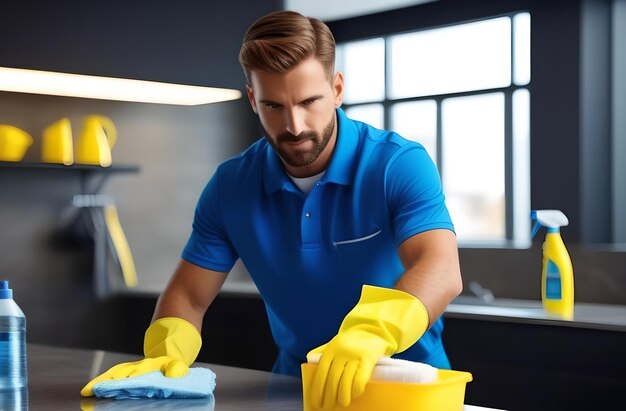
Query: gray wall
[
  {"x": 45, "y": 251},
  {"x": 47, "y": 258}
]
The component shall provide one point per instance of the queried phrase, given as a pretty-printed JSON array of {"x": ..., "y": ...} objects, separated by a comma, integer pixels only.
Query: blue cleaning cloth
[{"x": 198, "y": 383}]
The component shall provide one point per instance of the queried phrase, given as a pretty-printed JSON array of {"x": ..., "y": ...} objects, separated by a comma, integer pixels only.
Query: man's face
[{"x": 297, "y": 112}]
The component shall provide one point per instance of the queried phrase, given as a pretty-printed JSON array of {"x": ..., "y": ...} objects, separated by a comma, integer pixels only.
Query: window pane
[
  {"x": 372, "y": 114},
  {"x": 521, "y": 167},
  {"x": 473, "y": 165},
  {"x": 339, "y": 58},
  {"x": 521, "y": 59},
  {"x": 465, "y": 57},
  {"x": 417, "y": 121},
  {"x": 364, "y": 71}
]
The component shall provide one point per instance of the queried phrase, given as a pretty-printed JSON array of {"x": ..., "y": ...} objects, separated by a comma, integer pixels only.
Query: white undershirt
[{"x": 306, "y": 184}]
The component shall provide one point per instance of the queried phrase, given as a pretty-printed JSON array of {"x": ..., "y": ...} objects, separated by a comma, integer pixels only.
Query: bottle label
[
  {"x": 12, "y": 361},
  {"x": 553, "y": 282}
]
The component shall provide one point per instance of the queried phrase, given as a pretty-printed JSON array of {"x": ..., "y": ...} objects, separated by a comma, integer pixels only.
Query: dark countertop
[
  {"x": 56, "y": 376},
  {"x": 586, "y": 315}
]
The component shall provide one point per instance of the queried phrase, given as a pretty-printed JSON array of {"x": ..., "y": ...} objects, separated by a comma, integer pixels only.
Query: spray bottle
[
  {"x": 557, "y": 275},
  {"x": 12, "y": 343}
]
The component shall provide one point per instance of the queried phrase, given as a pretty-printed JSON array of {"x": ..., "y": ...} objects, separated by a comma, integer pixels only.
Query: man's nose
[{"x": 295, "y": 121}]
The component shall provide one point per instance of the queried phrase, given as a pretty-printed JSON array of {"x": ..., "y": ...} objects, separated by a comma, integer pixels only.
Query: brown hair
[{"x": 279, "y": 41}]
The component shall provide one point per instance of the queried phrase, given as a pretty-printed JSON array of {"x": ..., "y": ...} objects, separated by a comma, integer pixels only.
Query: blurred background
[{"x": 519, "y": 102}]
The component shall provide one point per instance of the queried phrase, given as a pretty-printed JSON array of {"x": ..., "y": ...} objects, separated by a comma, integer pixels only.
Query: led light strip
[{"x": 109, "y": 88}]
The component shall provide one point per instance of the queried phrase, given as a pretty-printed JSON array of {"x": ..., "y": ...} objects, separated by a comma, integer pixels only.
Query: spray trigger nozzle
[
  {"x": 536, "y": 229},
  {"x": 551, "y": 219}
]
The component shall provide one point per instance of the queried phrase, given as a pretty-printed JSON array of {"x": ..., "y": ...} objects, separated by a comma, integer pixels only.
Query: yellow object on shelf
[
  {"x": 447, "y": 393},
  {"x": 120, "y": 243},
  {"x": 57, "y": 145},
  {"x": 96, "y": 141},
  {"x": 13, "y": 143}
]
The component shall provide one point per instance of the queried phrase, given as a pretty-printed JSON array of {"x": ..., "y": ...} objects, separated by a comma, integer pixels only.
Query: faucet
[{"x": 484, "y": 294}]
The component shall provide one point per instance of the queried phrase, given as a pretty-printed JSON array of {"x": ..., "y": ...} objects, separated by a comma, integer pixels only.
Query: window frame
[{"x": 510, "y": 240}]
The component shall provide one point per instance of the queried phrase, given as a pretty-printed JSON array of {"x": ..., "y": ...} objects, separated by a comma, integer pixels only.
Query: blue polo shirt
[{"x": 309, "y": 255}]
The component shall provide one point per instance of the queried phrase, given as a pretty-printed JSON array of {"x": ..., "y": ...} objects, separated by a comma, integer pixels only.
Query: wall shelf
[
  {"x": 82, "y": 167},
  {"x": 92, "y": 177}
]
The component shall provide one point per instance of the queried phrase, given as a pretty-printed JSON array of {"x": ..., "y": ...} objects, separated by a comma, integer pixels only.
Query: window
[{"x": 461, "y": 91}]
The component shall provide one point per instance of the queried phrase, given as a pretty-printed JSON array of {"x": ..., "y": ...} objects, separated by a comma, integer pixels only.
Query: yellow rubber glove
[
  {"x": 170, "y": 345},
  {"x": 384, "y": 321}
]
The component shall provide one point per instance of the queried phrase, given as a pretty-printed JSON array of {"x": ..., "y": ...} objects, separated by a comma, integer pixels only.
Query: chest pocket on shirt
[{"x": 363, "y": 259}]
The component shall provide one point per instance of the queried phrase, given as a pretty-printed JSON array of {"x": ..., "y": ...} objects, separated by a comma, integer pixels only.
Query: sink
[
  {"x": 496, "y": 302},
  {"x": 471, "y": 300},
  {"x": 498, "y": 307}
]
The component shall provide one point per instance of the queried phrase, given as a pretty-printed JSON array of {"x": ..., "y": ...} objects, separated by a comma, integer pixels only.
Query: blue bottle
[{"x": 12, "y": 341}]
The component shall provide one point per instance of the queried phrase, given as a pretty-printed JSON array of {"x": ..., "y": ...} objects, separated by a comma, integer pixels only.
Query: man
[{"x": 342, "y": 227}]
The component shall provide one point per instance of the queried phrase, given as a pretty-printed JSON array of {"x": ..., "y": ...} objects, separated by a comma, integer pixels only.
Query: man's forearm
[
  {"x": 189, "y": 293},
  {"x": 432, "y": 271},
  {"x": 434, "y": 293},
  {"x": 176, "y": 304}
]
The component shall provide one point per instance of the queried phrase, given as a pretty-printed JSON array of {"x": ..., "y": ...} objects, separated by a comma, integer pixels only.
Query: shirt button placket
[{"x": 309, "y": 219}]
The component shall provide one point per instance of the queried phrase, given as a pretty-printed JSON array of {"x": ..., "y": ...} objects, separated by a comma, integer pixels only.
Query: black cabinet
[{"x": 527, "y": 366}]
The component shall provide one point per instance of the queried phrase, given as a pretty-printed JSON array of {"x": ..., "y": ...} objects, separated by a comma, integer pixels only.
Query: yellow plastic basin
[{"x": 447, "y": 393}]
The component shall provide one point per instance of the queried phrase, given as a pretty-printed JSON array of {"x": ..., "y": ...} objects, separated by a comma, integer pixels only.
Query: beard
[{"x": 296, "y": 157}]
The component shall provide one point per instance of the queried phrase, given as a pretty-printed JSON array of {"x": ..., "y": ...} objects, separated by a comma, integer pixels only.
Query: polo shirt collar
[{"x": 340, "y": 169}]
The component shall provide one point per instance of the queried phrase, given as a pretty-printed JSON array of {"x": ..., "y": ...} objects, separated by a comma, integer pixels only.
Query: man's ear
[
  {"x": 338, "y": 88},
  {"x": 250, "y": 94}
]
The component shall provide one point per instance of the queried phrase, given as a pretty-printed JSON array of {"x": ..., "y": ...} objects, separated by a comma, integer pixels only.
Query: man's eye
[
  {"x": 272, "y": 106},
  {"x": 308, "y": 102}
]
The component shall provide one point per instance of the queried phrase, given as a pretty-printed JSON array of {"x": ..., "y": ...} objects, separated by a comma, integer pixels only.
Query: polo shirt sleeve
[
  {"x": 414, "y": 195},
  {"x": 209, "y": 246}
]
